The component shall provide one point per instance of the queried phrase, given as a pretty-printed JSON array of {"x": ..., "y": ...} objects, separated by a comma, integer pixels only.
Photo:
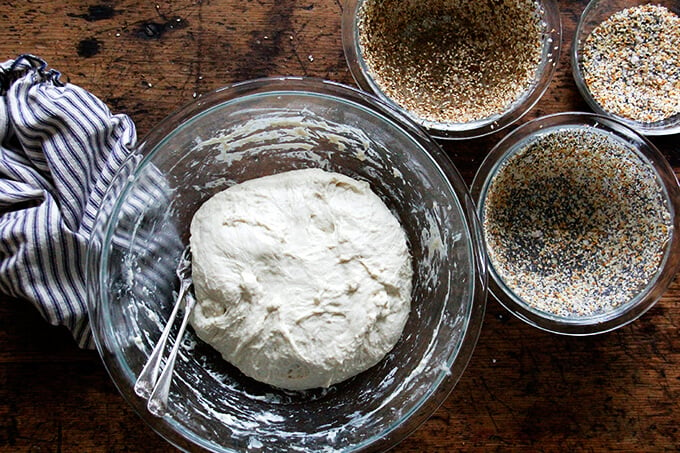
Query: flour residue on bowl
[{"x": 303, "y": 133}]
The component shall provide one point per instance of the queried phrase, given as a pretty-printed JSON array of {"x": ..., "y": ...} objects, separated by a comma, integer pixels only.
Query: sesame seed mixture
[
  {"x": 631, "y": 63},
  {"x": 576, "y": 222},
  {"x": 451, "y": 61}
]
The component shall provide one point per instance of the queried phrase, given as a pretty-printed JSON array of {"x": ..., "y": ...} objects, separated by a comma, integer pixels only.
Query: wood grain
[{"x": 523, "y": 390}]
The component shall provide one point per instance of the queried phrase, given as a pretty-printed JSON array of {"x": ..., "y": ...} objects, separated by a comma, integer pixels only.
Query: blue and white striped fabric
[{"x": 60, "y": 147}]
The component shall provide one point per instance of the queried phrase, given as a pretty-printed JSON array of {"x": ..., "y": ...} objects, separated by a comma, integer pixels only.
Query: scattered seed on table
[
  {"x": 451, "y": 60},
  {"x": 631, "y": 63},
  {"x": 576, "y": 222}
]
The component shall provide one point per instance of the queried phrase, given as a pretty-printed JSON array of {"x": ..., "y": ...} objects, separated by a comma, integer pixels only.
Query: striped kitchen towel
[{"x": 60, "y": 147}]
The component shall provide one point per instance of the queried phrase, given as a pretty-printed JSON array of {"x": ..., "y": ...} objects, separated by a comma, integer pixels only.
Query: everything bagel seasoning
[
  {"x": 452, "y": 61},
  {"x": 631, "y": 63},
  {"x": 576, "y": 222}
]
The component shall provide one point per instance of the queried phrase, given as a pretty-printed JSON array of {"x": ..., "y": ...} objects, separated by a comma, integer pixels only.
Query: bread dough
[{"x": 302, "y": 279}]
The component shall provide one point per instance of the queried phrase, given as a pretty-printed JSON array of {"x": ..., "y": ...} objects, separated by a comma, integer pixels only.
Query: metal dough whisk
[{"x": 148, "y": 384}]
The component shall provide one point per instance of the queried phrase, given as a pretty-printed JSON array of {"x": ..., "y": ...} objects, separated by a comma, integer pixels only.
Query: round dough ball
[{"x": 302, "y": 279}]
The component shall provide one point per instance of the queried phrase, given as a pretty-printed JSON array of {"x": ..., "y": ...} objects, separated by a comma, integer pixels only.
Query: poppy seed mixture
[{"x": 576, "y": 222}]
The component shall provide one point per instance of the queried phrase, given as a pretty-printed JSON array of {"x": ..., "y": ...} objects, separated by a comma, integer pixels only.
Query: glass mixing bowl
[
  {"x": 259, "y": 128},
  {"x": 551, "y": 43},
  {"x": 593, "y": 15},
  {"x": 562, "y": 196}
]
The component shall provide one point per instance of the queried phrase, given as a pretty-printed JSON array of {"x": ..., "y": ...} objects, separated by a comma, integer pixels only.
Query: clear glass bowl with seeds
[
  {"x": 626, "y": 62},
  {"x": 460, "y": 69},
  {"x": 579, "y": 220}
]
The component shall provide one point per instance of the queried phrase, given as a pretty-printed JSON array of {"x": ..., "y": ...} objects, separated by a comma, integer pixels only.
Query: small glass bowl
[
  {"x": 551, "y": 46},
  {"x": 596, "y": 12},
  {"x": 667, "y": 182}
]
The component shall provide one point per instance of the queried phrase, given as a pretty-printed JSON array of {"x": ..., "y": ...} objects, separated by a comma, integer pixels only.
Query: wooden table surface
[{"x": 523, "y": 389}]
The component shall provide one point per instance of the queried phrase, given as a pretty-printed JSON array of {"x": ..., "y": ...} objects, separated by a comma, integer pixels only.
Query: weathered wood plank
[{"x": 523, "y": 388}]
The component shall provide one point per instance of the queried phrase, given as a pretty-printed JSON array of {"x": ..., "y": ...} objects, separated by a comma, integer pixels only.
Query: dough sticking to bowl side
[{"x": 302, "y": 279}]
